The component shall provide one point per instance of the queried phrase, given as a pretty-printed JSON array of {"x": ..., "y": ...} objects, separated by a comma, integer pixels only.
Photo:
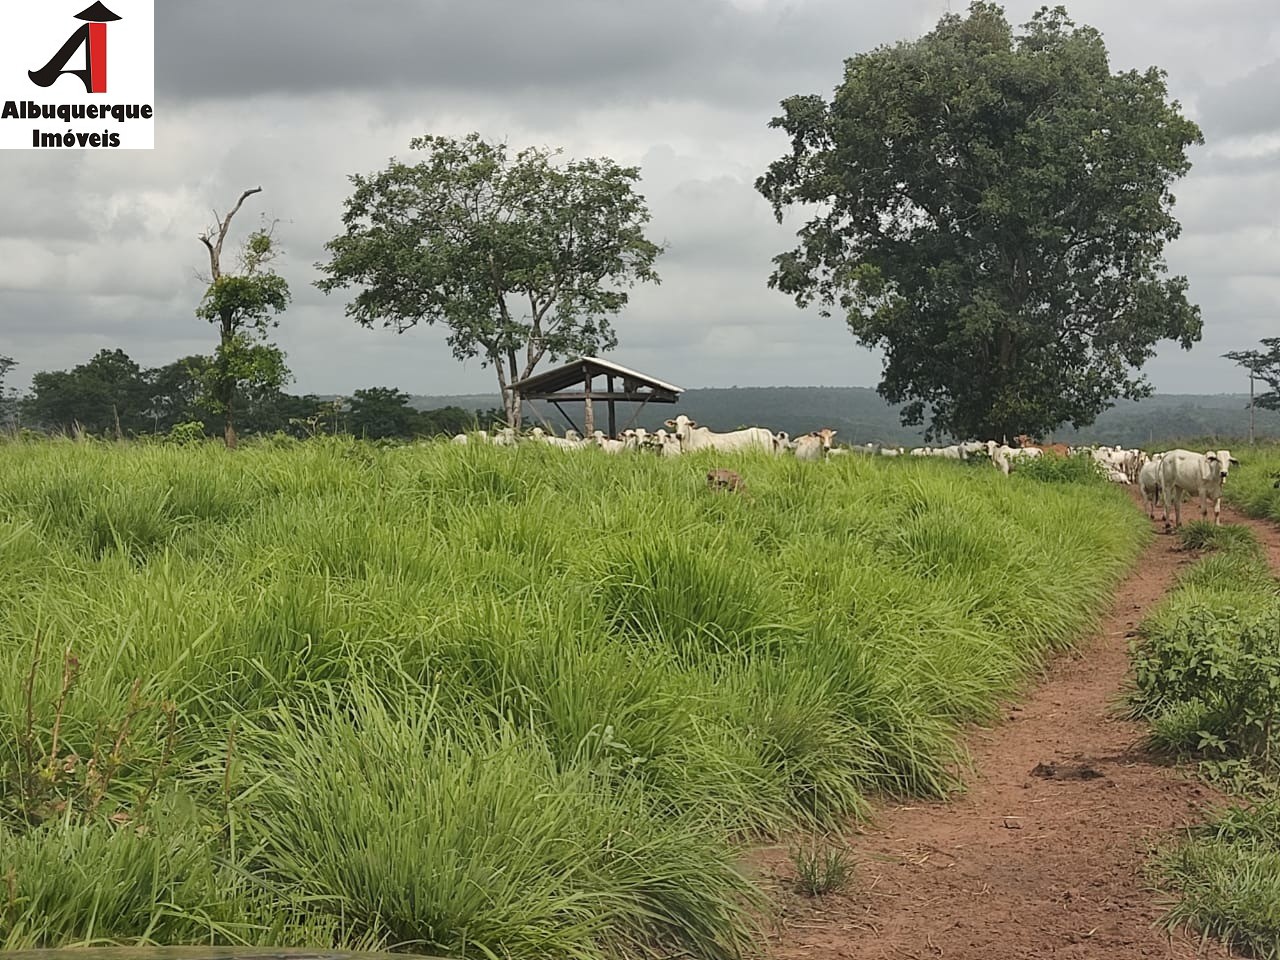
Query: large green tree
[
  {"x": 244, "y": 306},
  {"x": 520, "y": 257},
  {"x": 105, "y": 396},
  {"x": 991, "y": 211}
]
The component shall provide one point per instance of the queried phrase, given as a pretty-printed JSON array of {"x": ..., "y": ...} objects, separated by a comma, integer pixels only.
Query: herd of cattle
[{"x": 1165, "y": 477}]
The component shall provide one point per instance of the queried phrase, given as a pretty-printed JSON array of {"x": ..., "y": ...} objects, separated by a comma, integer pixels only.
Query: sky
[{"x": 99, "y": 248}]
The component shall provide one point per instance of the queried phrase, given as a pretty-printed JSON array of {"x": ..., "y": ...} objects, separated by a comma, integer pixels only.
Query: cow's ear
[
  {"x": 1235, "y": 462},
  {"x": 669, "y": 423}
]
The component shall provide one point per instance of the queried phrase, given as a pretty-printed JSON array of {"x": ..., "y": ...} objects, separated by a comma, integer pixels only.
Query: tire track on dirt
[{"x": 1044, "y": 855}]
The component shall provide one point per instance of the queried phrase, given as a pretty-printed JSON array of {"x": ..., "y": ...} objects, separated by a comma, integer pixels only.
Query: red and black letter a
[{"x": 93, "y": 36}]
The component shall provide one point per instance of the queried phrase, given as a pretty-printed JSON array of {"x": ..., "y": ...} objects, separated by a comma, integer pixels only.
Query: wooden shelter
[{"x": 575, "y": 383}]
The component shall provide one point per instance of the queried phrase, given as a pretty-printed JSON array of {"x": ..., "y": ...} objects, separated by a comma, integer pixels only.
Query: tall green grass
[
  {"x": 482, "y": 701},
  {"x": 1251, "y": 486}
]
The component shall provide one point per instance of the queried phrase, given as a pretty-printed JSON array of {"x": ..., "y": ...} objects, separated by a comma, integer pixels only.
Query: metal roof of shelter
[
  {"x": 555, "y": 386},
  {"x": 574, "y": 372}
]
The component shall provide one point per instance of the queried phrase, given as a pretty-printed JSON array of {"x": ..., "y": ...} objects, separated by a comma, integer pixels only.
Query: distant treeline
[
  {"x": 860, "y": 415},
  {"x": 111, "y": 395}
]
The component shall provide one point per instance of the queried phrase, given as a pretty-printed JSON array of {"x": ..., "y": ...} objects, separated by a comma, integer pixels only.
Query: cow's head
[
  {"x": 826, "y": 433},
  {"x": 1220, "y": 462},
  {"x": 682, "y": 426}
]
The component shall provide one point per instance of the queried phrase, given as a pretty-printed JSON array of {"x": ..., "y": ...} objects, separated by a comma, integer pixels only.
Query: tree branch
[{"x": 215, "y": 249}]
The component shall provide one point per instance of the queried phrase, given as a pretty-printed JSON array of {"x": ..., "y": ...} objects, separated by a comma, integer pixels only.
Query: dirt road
[{"x": 1044, "y": 856}]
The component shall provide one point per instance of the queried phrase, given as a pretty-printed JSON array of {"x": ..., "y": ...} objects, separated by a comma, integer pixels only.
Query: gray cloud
[{"x": 587, "y": 51}]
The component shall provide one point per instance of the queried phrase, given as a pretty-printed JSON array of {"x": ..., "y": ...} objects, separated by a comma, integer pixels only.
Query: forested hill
[{"x": 859, "y": 415}]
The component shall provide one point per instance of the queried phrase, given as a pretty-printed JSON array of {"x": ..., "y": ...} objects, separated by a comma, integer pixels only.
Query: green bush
[
  {"x": 186, "y": 434},
  {"x": 1223, "y": 670},
  {"x": 1077, "y": 468}
]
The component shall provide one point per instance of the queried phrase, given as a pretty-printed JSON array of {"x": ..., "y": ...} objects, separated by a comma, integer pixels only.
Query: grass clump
[
  {"x": 1204, "y": 535},
  {"x": 821, "y": 866},
  {"x": 485, "y": 701},
  {"x": 1228, "y": 879}
]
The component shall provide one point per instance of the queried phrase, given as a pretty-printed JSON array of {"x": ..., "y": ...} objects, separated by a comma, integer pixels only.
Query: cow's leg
[{"x": 1217, "y": 512}]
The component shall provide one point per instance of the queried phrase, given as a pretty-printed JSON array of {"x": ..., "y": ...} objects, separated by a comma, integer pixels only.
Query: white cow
[
  {"x": 667, "y": 444},
  {"x": 607, "y": 444},
  {"x": 815, "y": 445},
  {"x": 693, "y": 437},
  {"x": 1149, "y": 485},
  {"x": 1196, "y": 474},
  {"x": 635, "y": 439},
  {"x": 1004, "y": 456},
  {"x": 562, "y": 443}
]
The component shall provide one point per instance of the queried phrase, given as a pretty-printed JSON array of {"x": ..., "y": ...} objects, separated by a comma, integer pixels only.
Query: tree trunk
[
  {"x": 515, "y": 409},
  {"x": 1251, "y": 378},
  {"x": 229, "y": 428}
]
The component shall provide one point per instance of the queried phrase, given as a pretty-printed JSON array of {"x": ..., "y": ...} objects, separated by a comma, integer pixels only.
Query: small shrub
[
  {"x": 1078, "y": 468},
  {"x": 1211, "y": 678},
  {"x": 186, "y": 434},
  {"x": 821, "y": 867}
]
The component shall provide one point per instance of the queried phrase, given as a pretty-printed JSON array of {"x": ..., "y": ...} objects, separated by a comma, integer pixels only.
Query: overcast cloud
[{"x": 98, "y": 248}]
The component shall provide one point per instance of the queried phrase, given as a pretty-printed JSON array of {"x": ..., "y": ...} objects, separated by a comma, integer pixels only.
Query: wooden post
[
  {"x": 1250, "y": 408},
  {"x": 613, "y": 417},
  {"x": 588, "y": 415}
]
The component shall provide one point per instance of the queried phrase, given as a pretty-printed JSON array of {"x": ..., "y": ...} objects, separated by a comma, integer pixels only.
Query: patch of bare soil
[{"x": 1044, "y": 855}]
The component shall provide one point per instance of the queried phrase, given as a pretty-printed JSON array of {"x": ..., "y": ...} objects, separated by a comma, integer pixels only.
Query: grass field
[
  {"x": 1251, "y": 487},
  {"x": 490, "y": 702}
]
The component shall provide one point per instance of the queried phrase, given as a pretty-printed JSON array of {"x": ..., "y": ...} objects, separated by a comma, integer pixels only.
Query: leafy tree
[
  {"x": 992, "y": 213},
  {"x": 454, "y": 420},
  {"x": 175, "y": 391},
  {"x": 381, "y": 412},
  {"x": 244, "y": 305},
  {"x": 106, "y": 395},
  {"x": 1262, "y": 365},
  {"x": 519, "y": 257}
]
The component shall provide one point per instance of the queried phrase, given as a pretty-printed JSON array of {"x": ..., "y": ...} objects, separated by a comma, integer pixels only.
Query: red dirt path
[{"x": 1030, "y": 862}]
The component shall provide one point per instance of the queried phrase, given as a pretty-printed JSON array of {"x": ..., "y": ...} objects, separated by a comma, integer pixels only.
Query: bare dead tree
[
  {"x": 222, "y": 227},
  {"x": 213, "y": 239}
]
